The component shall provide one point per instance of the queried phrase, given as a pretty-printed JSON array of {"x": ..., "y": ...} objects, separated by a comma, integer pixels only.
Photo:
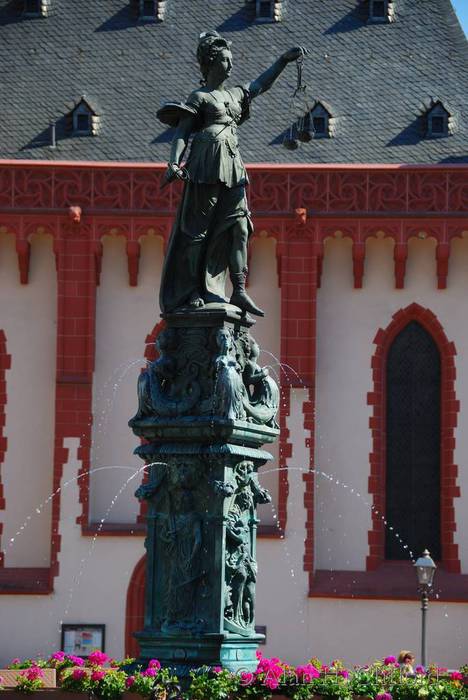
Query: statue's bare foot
[{"x": 196, "y": 301}]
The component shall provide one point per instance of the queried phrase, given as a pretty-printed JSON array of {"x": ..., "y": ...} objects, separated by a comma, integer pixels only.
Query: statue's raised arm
[
  {"x": 213, "y": 224},
  {"x": 266, "y": 79}
]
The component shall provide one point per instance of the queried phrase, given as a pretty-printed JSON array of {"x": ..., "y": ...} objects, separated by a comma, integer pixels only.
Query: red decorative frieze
[
  {"x": 458, "y": 192},
  {"x": 274, "y": 189},
  {"x": 5, "y": 363},
  {"x": 428, "y": 191},
  {"x": 269, "y": 191},
  {"x": 112, "y": 189},
  {"x": 73, "y": 187},
  {"x": 6, "y": 187},
  {"x": 311, "y": 192},
  {"x": 147, "y": 192},
  {"x": 348, "y": 191},
  {"x": 388, "y": 191},
  {"x": 449, "y": 410},
  {"x": 33, "y": 188}
]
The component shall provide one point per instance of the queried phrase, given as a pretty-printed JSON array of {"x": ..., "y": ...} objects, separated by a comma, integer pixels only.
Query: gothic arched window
[{"x": 413, "y": 444}]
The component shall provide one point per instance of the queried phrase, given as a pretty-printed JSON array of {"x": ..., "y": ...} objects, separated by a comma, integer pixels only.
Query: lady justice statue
[{"x": 213, "y": 223}]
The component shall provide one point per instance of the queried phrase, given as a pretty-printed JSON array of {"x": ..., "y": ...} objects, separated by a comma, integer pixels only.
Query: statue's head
[{"x": 214, "y": 53}]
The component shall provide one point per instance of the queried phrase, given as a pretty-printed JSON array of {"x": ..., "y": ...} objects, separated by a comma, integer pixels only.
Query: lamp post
[{"x": 425, "y": 570}]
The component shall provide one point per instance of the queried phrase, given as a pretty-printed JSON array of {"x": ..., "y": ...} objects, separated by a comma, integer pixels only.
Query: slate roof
[{"x": 375, "y": 78}]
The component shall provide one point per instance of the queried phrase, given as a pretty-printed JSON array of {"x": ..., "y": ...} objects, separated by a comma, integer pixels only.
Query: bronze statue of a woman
[{"x": 213, "y": 224}]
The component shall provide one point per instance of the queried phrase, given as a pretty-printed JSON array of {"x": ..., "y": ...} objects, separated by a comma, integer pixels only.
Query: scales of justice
[{"x": 205, "y": 405}]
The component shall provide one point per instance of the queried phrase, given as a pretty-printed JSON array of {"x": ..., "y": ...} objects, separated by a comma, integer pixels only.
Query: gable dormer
[
  {"x": 264, "y": 11},
  {"x": 380, "y": 11},
  {"x": 35, "y": 8},
  {"x": 320, "y": 121},
  {"x": 438, "y": 121},
  {"x": 151, "y": 10},
  {"x": 83, "y": 118}
]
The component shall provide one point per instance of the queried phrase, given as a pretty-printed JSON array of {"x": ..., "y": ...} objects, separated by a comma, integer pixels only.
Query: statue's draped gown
[{"x": 213, "y": 199}]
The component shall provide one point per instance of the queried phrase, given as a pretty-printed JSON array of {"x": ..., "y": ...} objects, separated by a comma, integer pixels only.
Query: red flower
[
  {"x": 78, "y": 674},
  {"x": 97, "y": 658},
  {"x": 97, "y": 676}
]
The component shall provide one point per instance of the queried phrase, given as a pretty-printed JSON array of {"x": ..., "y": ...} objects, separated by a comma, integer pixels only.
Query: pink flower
[
  {"x": 258, "y": 654},
  {"x": 150, "y": 672},
  {"x": 16, "y": 661},
  {"x": 97, "y": 658},
  {"x": 216, "y": 669},
  {"x": 76, "y": 660},
  {"x": 389, "y": 660},
  {"x": 78, "y": 674},
  {"x": 456, "y": 676},
  {"x": 420, "y": 670},
  {"x": 271, "y": 682},
  {"x": 247, "y": 677},
  {"x": 384, "y": 696},
  {"x": 307, "y": 673},
  {"x": 32, "y": 673},
  {"x": 325, "y": 669},
  {"x": 154, "y": 663},
  {"x": 97, "y": 676},
  {"x": 58, "y": 656},
  {"x": 343, "y": 673},
  {"x": 129, "y": 681}
]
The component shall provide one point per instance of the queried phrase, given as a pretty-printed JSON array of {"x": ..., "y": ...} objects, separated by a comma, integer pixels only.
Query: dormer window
[
  {"x": 148, "y": 10},
  {"x": 380, "y": 10},
  {"x": 265, "y": 10},
  {"x": 320, "y": 121},
  {"x": 438, "y": 121},
  {"x": 83, "y": 119},
  {"x": 33, "y": 8}
]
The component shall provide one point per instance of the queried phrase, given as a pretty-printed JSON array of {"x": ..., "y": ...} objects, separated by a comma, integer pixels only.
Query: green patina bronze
[{"x": 205, "y": 405}]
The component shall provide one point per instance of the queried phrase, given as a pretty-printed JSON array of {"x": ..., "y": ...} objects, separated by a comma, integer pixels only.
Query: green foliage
[
  {"x": 331, "y": 685},
  {"x": 365, "y": 683},
  {"x": 110, "y": 686},
  {"x": 75, "y": 680},
  {"x": 209, "y": 684}
]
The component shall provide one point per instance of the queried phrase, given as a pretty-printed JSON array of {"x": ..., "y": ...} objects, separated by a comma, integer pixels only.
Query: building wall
[
  {"x": 28, "y": 318},
  {"x": 297, "y": 627},
  {"x": 347, "y": 322},
  {"x": 347, "y": 319},
  {"x": 125, "y": 316}
]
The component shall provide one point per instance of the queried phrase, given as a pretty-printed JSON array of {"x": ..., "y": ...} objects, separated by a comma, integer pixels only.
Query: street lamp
[{"x": 425, "y": 570}]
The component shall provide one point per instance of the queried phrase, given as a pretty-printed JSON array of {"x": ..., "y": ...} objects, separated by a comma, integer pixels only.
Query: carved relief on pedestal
[{"x": 225, "y": 382}]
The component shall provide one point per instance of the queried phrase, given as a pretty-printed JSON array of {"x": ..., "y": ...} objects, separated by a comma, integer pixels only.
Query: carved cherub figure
[
  {"x": 253, "y": 373},
  {"x": 246, "y": 477}
]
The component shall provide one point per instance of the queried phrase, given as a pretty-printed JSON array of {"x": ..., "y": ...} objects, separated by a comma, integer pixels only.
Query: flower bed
[{"x": 107, "y": 679}]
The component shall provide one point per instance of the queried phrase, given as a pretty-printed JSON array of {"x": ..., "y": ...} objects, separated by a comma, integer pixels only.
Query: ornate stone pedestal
[{"x": 205, "y": 410}]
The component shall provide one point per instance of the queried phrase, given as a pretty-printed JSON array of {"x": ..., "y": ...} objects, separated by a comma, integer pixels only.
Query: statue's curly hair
[{"x": 210, "y": 44}]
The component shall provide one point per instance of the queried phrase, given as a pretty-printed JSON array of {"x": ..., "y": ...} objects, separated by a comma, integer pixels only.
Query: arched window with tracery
[
  {"x": 413, "y": 477},
  {"x": 413, "y": 423}
]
